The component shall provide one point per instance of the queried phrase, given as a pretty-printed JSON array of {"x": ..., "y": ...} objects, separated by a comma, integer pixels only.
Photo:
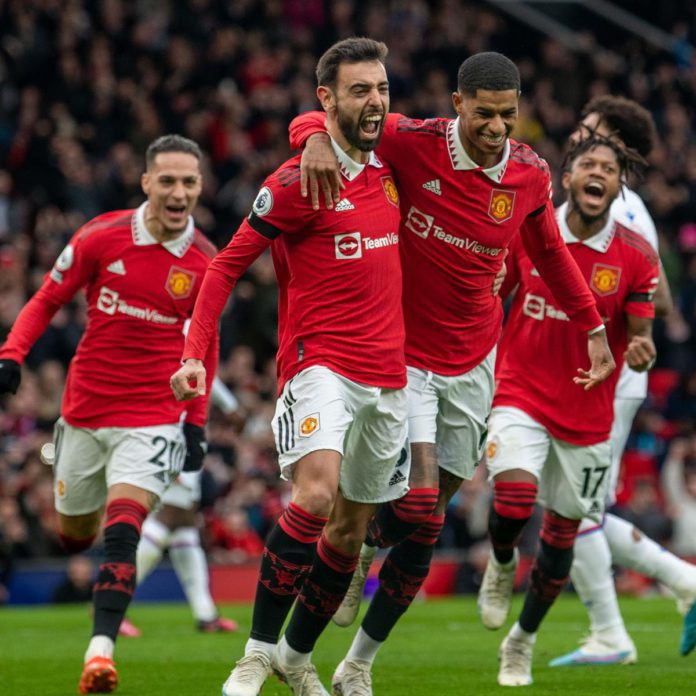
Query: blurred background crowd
[{"x": 85, "y": 85}]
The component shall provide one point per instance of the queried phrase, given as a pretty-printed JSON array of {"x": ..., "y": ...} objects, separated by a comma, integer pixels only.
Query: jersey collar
[
  {"x": 461, "y": 160},
  {"x": 142, "y": 237},
  {"x": 598, "y": 242},
  {"x": 349, "y": 167}
]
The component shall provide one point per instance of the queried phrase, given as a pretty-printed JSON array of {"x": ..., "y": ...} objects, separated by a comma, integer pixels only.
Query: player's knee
[
  {"x": 416, "y": 506},
  {"x": 558, "y": 532},
  {"x": 316, "y": 498},
  {"x": 514, "y": 499},
  {"x": 74, "y": 545}
]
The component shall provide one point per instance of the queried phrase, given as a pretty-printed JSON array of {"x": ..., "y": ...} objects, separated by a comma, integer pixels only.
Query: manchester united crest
[
  {"x": 501, "y": 206},
  {"x": 390, "y": 190},
  {"x": 605, "y": 279},
  {"x": 180, "y": 283},
  {"x": 309, "y": 425}
]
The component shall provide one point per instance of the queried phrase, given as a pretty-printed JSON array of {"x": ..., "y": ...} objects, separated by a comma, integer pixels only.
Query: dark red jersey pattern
[
  {"x": 338, "y": 273},
  {"x": 457, "y": 220},
  {"x": 540, "y": 349},
  {"x": 139, "y": 294}
]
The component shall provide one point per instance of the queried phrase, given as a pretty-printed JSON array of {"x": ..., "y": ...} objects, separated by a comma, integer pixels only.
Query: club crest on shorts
[
  {"x": 501, "y": 205},
  {"x": 309, "y": 425},
  {"x": 605, "y": 279},
  {"x": 180, "y": 282},
  {"x": 390, "y": 190},
  {"x": 491, "y": 449},
  {"x": 60, "y": 488}
]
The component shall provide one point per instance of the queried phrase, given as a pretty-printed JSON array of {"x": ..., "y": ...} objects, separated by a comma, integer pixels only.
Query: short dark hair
[
  {"x": 353, "y": 50},
  {"x": 487, "y": 70},
  {"x": 171, "y": 143},
  {"x": 627, "y": 119}
]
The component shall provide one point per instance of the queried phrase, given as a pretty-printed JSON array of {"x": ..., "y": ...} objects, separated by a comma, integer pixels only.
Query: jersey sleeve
[
  {"x": 304, "y": 125},
  {"x": 223, "y": 273},
  {"x": 73, "y": 269},
  {"x": 550, "y": 256},
  {"x": 512, "y": 263},
  {"x": 639, "y": 301}
]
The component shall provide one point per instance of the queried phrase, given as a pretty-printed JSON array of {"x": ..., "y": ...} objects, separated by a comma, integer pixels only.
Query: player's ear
[
  {"x": 565, "y": 181},
  {"x": 457, "y": 102},
  {"x": 326, "y": 98},
  {"x": 145, "y": 183}
]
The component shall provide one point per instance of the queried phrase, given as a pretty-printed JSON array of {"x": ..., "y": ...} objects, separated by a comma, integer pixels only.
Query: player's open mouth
[
  {"x": 370, "y": 124},
  {"x": 176, "y": 210},
  {"x": 594, "y": 191}
]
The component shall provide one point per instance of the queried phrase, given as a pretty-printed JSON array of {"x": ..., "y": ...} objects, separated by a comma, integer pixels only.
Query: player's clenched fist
[
  {"x": 188, "y": 381},
  {"x": 641, "y": 353}
]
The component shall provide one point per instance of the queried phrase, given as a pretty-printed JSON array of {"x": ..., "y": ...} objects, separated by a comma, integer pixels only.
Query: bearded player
[{"x": 543, "y": 433}]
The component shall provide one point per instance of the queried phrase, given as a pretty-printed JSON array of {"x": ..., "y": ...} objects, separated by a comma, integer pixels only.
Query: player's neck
[
  {"x": 351, "y": 151},
  {"x": 583, "y": 227}
]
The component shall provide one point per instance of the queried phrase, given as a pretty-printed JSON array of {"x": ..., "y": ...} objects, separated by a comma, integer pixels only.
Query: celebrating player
[
  {"x": 616, "y": 541},
  {"x": 544, "y": 434},
  {"x": 115, "y": 446},
  {"x": 340, "y": 421},
  {"x": 466, "y": 191}
]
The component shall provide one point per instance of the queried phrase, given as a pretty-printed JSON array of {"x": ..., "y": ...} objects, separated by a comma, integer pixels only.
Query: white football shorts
[
  {"x": 573, "y": 479},
  {"x": 88, "y": 461},
  {"x": 184, "y": 492},
  {"x": 320, "y": 409},
  {"x": 452, "y": 412}
]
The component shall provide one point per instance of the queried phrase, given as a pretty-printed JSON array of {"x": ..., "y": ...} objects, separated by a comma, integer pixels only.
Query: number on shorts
[
  {"x": 169, "y": 448},
  {"x": 593, "y": 480}
]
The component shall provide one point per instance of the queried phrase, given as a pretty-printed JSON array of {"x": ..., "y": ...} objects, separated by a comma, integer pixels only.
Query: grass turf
[{"x": 439, "y": 647}]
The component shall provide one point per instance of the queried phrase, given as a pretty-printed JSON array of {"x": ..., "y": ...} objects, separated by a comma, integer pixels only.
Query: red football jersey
[
  {"x": 338, "y": 273},
  {"x": 457, "y": 220},
  {"x": 540, "y": 349},
  {"x": 139, "y": 294}
]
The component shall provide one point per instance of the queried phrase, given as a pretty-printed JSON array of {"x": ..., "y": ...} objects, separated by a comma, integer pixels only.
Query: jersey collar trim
[
  {"x": 599, "y": 242},
  {"x": 349, "y": 167},
  {"x": 461, "y": 160},
  {"x": 142, "y": 237}
]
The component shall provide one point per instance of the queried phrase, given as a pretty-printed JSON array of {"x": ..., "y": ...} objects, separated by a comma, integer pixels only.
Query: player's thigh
[
  {"x": 462, "y": 420},
  {"x": 624, "y": 412},
  {"x": 79, "y": 484},
  {"x": 422, "y": 406},
  {"x": 576, "y": 480},
  {"x": 372, "y": 468},
  {"x": 515, "y": 442},
  {"x": 184, "y": 492},
  {"x": 313, "y": 413},
  {"x": 148, "y": 458}
]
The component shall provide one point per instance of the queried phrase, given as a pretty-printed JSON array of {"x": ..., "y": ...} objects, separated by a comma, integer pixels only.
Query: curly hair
[{"x": 627, "y": 119}]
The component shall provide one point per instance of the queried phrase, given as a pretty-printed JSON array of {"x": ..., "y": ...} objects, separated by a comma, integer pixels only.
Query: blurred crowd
[{"x": 85, "y": 86}]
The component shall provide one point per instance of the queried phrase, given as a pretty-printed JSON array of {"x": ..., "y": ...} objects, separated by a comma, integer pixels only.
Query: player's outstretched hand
[
  {"x": 319, "y": 167},
  {"x": 10, "y": 376},
  {"x": 601, "y": 361},
  {"x": 188, "y": 381},
  {"x": 641, "y": 353}
]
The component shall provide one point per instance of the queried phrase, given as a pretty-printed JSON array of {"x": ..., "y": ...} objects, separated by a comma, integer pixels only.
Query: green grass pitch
[{"x": 438, "y": 648}]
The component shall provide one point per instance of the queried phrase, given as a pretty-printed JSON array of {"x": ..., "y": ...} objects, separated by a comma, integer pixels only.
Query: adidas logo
[
  {"x": 344, "y": 204},
  {"x": 117, "y": 267},
  {"x": 397, "y": 477},
  {"x": 433, "y": 186}
]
